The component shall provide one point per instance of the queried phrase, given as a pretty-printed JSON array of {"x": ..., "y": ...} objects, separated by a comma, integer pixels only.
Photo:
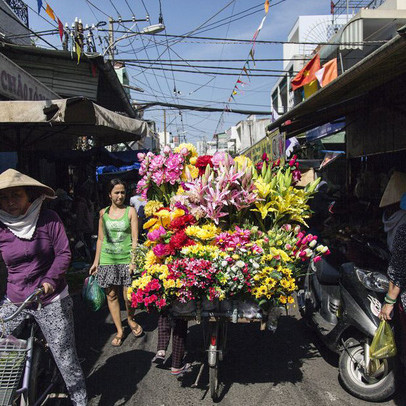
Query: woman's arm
[
  {"x": 62, "y": 254},
  {"x": 387, "y": 308},
  {"x": 134, "y": 232},
  {"x": 100, "y": 237},
  {"x": 396, "y": 273}
]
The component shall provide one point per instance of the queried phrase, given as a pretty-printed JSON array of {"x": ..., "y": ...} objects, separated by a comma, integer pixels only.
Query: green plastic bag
[
  {"x": 93, "y": 294},
  {"x": 383, "y": 345}
]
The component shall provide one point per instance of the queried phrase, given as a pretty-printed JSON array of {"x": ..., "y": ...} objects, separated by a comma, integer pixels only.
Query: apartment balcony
[{"x": 20, "y": 10}]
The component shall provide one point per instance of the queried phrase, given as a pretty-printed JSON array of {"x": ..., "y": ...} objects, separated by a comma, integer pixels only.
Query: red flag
[
  {"x": 60, "y": 28},
  {"x": 307, "y": 74}
]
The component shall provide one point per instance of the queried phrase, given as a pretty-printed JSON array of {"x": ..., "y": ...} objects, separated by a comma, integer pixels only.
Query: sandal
[
  {"x": 137, "y": 331},
  {"x": 159, "y": 357},
  {"x": 117, "y": 341},
  {"x": 177, "y": 372}
]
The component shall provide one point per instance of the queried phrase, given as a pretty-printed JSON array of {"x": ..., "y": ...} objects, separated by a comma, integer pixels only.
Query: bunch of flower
[
  {"x": 192, "y": 278},
  {"x": 292, "y": 165},
  {"x": 279, "y": 201},
  {"x": 149, "y": 290},
  {"x": 163, "y": 173},
  {"x": 166, "y": 233},
  {"x": 222, "y": 193}
]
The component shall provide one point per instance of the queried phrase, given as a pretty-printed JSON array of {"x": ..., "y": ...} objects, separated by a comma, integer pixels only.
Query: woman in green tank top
[{"x": 117, "y": 237}]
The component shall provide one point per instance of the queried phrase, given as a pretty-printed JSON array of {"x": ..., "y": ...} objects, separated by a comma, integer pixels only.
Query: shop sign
[
  {"x": 273, "y": 144},
  {"x": 17, "y": 84}
]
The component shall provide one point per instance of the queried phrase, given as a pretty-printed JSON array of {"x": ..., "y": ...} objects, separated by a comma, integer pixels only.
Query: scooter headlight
[{"x": 374, "y": 281}]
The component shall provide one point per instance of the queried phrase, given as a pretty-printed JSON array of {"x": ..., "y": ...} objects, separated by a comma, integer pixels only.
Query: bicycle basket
[{"x": 12, "y": 360}]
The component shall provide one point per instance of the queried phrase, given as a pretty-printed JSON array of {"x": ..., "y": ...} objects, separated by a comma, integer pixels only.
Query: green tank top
[{"x": 116, "y": 245}]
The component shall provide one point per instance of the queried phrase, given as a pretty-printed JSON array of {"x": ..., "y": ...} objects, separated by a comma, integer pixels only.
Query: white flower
[
  {"x": 224, "y": 263},
  {"x": 255, "y": 265},
  {"x": 240, "y": 264}
]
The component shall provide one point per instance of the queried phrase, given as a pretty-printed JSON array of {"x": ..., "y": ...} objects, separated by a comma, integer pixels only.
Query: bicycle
[{"x": 28, "y": 373}]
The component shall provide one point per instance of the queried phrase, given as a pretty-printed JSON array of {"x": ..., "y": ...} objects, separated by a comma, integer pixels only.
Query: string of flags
[
  {"x": 244, "y": 76},
  {"x": 77, "y": 39}
]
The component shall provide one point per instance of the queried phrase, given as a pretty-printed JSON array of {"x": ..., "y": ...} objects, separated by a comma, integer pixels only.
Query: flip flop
[
  {"x": 118, "y": 340},
  {"x": 137, "y": 331},
  {"x": 185, "y": 368},
  {"x": 159, "y": 358}
]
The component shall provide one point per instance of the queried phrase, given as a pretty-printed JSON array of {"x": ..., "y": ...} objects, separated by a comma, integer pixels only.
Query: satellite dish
[{"x": 320, "y": 31}]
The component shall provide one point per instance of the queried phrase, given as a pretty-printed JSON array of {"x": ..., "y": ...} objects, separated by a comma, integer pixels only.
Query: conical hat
[
  {"x": 13, "y": 178},
  {"x": 394, "y": 189}
]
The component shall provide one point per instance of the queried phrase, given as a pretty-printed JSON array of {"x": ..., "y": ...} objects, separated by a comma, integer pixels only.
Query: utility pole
[
  {"x": 111, "y": 32},
  {"x": 111, "y": 39},
  {"x": 164, "y": 127}
]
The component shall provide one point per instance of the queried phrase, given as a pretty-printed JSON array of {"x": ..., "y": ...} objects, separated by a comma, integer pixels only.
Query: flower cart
[{"x": 225, "y": 240}]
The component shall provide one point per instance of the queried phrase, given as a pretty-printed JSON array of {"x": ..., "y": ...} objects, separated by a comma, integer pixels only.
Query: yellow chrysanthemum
[
  {"x": 283, "y": 299},
  {"x": 151, "y": 207},
  {"x": 190, "y": 147},
  {"x": 193, "y": 160},
  {"x": 291, "y": 299},
  {"x": 150, "y": 258}
]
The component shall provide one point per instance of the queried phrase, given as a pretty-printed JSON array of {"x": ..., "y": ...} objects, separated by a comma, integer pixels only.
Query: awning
[
  {"x": 325, "y": 130},
  {"x": 56, "y": 124},
  {"x": 348, "y": 92}
]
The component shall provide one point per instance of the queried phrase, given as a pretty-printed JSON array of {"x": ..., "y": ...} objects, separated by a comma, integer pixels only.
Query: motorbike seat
[{"x": 326, "y": 273}]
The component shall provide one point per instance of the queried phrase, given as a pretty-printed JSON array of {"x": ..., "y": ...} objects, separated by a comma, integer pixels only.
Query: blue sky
[{"x": 215, "y": 19}]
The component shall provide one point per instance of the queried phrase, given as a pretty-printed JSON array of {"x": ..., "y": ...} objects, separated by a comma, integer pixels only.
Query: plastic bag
[
  {"x": 93, "y": 294},
  {"x": 383, "y": 345}
]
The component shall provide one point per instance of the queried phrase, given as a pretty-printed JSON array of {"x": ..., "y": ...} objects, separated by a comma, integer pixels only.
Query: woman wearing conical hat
[{"x": 35, "y": 249}]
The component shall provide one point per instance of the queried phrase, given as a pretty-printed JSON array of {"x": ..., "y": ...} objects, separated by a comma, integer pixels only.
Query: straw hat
[
  {"x": 394, "y": 189},
  {"x": 13, "y": 178}
]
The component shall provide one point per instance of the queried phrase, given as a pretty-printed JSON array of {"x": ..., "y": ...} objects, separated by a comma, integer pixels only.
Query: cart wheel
[{"x": 214, "y": 382}]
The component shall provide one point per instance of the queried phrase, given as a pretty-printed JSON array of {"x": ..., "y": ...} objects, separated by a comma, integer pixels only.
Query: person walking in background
[
  {"x": 83, "y": 219},
  {"x": 138, "y": 202},
  {"x": 36, "y": 252},
  {"x": 117, "y": 237}
]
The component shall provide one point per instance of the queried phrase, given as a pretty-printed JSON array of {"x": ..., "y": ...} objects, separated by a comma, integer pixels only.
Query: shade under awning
[
  {"x": 348, "y": 92},
  {"x": 56, "y": 124}
]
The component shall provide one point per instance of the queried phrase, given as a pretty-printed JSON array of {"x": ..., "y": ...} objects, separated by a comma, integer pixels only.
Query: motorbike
[{"x": 341, "y": 301}]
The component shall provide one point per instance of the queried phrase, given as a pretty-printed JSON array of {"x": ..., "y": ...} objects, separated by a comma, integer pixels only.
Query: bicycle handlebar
[{"x": 30, "y": 299}]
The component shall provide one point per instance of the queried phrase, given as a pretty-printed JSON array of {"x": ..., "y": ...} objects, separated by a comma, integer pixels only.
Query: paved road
[{"x": 287, "y": 368}]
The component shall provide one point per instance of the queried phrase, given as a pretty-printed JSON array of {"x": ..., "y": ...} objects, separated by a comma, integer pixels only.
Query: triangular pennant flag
[
  {"x": 232, "y": 97},
  {"x": 50, "y": 12},
  {"x": 39, "y": 5},
  {"x": 241, "y": 82},
  {"x": 252, "y": 55},
  {"x": 78, "y": 51},
  {"x": 94, "y": 69},
  {"x": 234, "y": 92},
  {"x": 60, "y": 28},
  {"x": 266, "y": 6},
  {"x": 245, "y": 71}
]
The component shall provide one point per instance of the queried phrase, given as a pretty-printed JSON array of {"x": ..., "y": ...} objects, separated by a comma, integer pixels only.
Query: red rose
[
  {"x": 202, "y": 162},
  {"x": 178, "y": 241},
  {"x": 181, "y": 222}
]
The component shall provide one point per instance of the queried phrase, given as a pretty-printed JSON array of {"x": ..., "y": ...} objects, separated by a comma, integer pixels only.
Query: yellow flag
[
  {"x": 266, "y": 5},
  {"x": 310, "y": 88},
  {"x": 50, "y": 12},
  {"x": 78, "y": 51}
]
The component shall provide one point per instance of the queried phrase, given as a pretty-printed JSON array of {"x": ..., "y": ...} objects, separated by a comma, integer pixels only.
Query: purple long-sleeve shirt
[{"x": 30, "y": 263}]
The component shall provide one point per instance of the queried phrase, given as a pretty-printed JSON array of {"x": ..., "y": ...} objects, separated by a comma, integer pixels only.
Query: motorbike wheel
[{"x": 376, "y": 386}]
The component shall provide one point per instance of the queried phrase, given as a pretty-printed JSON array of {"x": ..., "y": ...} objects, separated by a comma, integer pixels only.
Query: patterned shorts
[{"x": 113, "y": 275}]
